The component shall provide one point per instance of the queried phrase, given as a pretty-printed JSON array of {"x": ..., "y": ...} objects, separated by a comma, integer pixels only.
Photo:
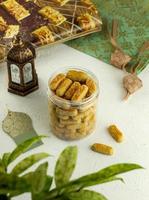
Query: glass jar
[{"x": 71, "y": 120}]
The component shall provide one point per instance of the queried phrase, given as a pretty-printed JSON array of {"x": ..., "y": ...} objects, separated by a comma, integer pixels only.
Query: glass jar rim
[{"x": 58, "y": 100}]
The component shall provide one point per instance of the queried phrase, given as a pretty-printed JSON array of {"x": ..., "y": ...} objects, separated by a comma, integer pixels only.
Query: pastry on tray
[
  {"x": 90, "y": 5},
  {"x": 15, "y": 9},
  {"x": 44, "y": 35},
  {"x": 11, "y": 31},
  {"x": 3, "y": 24},
  {"x": 86, "y": 22},
  {"x": 55, "y": 16},
  {"x": 62, "y": 2}
]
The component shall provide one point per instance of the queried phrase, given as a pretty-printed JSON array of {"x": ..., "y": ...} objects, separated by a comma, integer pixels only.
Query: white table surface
[{"x": 131, "y": 116}]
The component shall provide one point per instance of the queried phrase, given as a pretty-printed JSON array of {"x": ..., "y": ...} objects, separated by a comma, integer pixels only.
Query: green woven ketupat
[{"x": 133, "y": 17}]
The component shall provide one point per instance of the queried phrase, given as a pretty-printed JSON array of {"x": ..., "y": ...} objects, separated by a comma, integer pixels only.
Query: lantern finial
[{"x": 18, "y": 40}]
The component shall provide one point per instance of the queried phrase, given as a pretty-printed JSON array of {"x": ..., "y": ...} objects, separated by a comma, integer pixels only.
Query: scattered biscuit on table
[
  {"x": 102, "y": 148},
  {"x": 116, "y": 133}
]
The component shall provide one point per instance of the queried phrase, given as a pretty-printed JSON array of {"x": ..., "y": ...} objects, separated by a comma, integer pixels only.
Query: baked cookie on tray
[
  {"x": 15, "y": 9},
  {"x": 3, "y": 24},
  {"x": 61, "y": 2},
  {"x": 43, "y": 34},
  {"x": 11, "y": 31},
  {"x": 55, "y": 16}
]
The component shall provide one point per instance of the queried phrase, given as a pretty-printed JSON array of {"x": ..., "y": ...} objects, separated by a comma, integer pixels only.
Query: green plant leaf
[
  {"x": 113, "y": 178},
  {"x": 15, "y": 193},
  {"x": 61, "y": 198},
  {"x": 28, "y": 162},
  {"x": 28, "y": 179},
  {"x": 86, "y": 195},
  {"x": 28, "y": 176},
  {"x": 22, "y": 148},
  {"x": 8, "y": 191},
  {"x": 2, "y": 167},
  {"x": 107, "y": 174},
  {"x": 39, "y": 178},
  {"x": 5, "y": 159},
  {"x": 65, "y": 165},
  {"x": 10, "y": 182},
  {"x": 48, "y": 184},
  {"x": 4, "y": 197},
  {"x": 74, "y": 186},
  {"x": 103, "y": 175},
  {"x": 43, "y": 194}
]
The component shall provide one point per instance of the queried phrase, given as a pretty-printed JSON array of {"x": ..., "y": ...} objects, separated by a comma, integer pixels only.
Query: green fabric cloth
[{"x": 133, "y": 17}]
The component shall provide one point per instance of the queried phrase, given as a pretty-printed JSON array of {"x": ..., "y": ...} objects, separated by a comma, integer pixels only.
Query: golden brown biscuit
[
  {"x": 62, "y": 2},
  {"x": 3, "y": 24},
  {"x": 71, "y": 90},
  {"x": 11, "y": 31},
  {"x": 64, "y": 117},
  {"x": 89, "y": 118},
  {"x": 56, "y": 81},
  {"x": 90, "y": 5},
  {"x": 62, "y": 88},
  {"x": 86, "y": 22},
  {"x": 84, "y": 114},
  {"x": 15, "y": 9},
  {"x": 116, "y": 133},
  {"x": 91, "y": 86},
  {"x": 71, "y": 112},
  {"x": 59, "y": 130},
  {"x": 70, "y": 122},
  {"x": 102, "y": 148},
  {"x": 2, "y": 52},
  {"x": 76, "y": 126},
  {"x": 80, "y": 93},
  {"x": 77, "y": 76},
  {"x": 86, "y": 107},
  {"x": 44, "y": 35},
  {"x": 52, "y": 14}
]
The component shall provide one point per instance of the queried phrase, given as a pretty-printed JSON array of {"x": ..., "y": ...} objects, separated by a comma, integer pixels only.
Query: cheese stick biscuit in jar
[
  {"x": 71, "y": 112},
  {"x": 80, "y": 93},
  {"x": 69, "y": 93},
  {"x": 56, "y": 81},
  {"x": 64, "y": 117},
  {"x": 75, "y": 75},
  {"x": 70, "y": 122},
  {"x": 91, "y": 86},
  {"x": 64, "y": 85}
]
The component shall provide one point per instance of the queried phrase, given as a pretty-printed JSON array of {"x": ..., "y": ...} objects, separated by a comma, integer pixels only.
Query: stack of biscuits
[{"x": 73, "y": 104}]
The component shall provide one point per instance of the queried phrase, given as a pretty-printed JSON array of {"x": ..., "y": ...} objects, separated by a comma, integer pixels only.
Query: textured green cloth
[{"x": 133, "y": 17}]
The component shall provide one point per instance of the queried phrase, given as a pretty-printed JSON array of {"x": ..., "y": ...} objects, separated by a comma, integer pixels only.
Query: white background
[{"x": 131, "y": 116}]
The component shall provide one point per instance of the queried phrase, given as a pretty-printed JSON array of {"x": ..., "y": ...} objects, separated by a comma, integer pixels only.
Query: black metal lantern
[{"x": 21, "y": 68}]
